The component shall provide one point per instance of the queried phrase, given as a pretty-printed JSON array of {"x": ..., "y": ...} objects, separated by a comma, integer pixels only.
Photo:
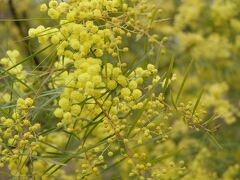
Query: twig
[{"x": 21, "y": 30}]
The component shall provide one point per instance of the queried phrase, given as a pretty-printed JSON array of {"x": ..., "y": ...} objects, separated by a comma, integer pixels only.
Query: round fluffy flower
[
  {"x": 43, "y": 7},
  {"x": 111, "y": 84}
]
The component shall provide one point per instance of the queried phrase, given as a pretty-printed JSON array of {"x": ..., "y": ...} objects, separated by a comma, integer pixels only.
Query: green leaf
[
  {"x": 135, "y": 117},
  {"x": 75, "y": 155},
  {"x": 57, "y": 168},
  {"x": 214, "y": 140},
  {"x": 169, "y": 72},
  {"x": 49, "y": 131},
  {"x": 50, "y": 145},
  {"x": 198, "y": 101},
  {"x": 172, "y": 100},
  {"x": 87, "y": 133},
  {"x": 212, "y": 118},
  {"x": 184, "y": 80},
  {"x": 114, "y": 164},
  {"x": 45, "y": 158}
]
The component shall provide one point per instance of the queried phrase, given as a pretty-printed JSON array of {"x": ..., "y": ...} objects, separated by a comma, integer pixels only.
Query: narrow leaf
[
  {"x": 28, "y": 58},
  {"x": 184, "y": 80},
  {"x": 198, "y": 101},
  {"x": 169, "y": 72}
]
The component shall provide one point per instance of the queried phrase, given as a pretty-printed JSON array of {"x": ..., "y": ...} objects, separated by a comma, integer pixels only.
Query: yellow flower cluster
[
  {"x": 221, "y": 105},
  {"x": 107, "y": 113},
  {"x": 103, "y": 91},
  {"x": 203, "y": 32},
  {"x": 103, "y": 98},
  {"x": 232, "y": 172},
  {"x": 19, "y": 139},
  {"x": 8, "y": 63},
  {"x": 88, "y": 27},
  {"x": 192, "y": 118},
  {"x": 61, "y": 73}
]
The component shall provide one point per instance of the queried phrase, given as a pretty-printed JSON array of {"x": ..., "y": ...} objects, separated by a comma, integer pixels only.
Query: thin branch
[{"x": 23, "y": 34}]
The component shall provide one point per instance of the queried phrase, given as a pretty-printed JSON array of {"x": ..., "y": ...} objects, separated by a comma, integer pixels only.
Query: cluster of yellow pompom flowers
[
  {"x": 99, "y": 114},
  {"x": 8, "y": 63},
  {"x": 200, "y": 30},
  {"x": 94, "y": 27},
  {"x": 106, "y": 94},
  {"x": 19, "y": 139}
]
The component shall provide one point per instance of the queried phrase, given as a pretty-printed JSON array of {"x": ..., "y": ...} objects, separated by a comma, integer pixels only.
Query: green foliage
[{"x": 106, "y": 89}]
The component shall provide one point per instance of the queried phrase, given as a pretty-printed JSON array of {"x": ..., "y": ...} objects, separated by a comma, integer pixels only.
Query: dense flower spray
[{"x": 94, "y": 112}]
